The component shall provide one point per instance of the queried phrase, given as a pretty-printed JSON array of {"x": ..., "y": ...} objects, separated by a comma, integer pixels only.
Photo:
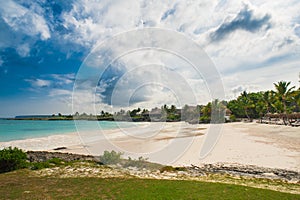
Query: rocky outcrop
[
  {"x": 193, "y": 171},
  {"x": 42, "y": 156},
  {"x": 245, "y": 170}
]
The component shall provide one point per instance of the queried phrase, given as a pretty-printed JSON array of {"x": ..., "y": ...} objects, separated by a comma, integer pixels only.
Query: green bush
[
  {"x": 110, "y": 158},
  {"x": 39, "y": 165},
  {"x": 232, "y": 118},
  {"x": 140, "y": 163},
  {"x": 56, "y": 161},
  {"x": 204, "y": 119},
  {"x": 12, "y": 159},
  {"x": 53, "y": 162}
]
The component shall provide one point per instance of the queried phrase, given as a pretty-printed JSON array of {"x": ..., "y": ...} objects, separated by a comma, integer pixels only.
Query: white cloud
[
  {"x": 95, "y": 21},
  {"x": 54, "y": 86},
  {"x": 23, "y": 50},
  {"x": 24, "y": 20},
  {"x": 250, "y": 60},
  {"x": 56, "y": 89},
  {"x": 63, "y": 79},
  {"x": 86, "y": 101},
  {"x": 241, "y": 53},
  {"x": 39, "y": 82},
  {"x": 59, "y": 92},
  {"x": 92, "y": 22}
]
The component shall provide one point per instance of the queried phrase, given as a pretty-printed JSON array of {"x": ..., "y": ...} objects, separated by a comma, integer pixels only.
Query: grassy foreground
[{"x": 20, "y": 185}]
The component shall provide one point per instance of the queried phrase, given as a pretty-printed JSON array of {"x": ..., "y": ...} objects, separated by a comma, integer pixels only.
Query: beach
[{"x": 180, "y": 143}]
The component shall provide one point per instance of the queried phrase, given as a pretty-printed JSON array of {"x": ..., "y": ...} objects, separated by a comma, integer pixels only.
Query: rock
[
  {"x": 60, "y": 148},
  {"x": 42, "y": 156},
  {"x": 245, "y": 170},
  {"x": 193, "y": 171}
]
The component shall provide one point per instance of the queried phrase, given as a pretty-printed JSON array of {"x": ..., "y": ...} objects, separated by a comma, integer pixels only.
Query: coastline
[{"x": 269, "y": 146}]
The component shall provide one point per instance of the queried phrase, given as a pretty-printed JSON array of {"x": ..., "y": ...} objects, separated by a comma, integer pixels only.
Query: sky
[{"x": 66, "y": 56}]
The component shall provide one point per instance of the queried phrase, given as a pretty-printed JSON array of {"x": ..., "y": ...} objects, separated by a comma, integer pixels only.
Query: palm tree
[
  {"x": 296, "y": 99},
  {"x": 268, "y": 98},
  {"x": 283, "y": 94},
  {"x": 245, "y": 103}
]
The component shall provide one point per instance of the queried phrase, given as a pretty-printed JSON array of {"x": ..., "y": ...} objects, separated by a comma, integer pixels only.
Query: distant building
[{"x": 156, "y": 114}]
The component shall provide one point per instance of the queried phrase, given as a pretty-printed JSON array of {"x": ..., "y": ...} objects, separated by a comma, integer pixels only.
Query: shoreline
[{"x": 269, "y": 146}]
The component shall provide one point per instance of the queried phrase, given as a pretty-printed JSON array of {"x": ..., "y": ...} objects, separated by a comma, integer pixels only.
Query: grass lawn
[{"x": 20, "y": 185}]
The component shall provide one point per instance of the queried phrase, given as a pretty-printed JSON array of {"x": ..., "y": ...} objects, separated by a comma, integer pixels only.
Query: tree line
[{"x": 282, "y": 103}]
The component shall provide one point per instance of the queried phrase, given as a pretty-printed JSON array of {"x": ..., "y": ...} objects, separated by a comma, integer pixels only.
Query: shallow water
[{"x": 26, "y": 129}]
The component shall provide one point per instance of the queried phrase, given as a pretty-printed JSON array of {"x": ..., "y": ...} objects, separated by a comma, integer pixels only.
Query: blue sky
[{"x": 44, "y": 43}]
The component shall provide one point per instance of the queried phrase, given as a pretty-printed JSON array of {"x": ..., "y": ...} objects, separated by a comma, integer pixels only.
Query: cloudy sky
[{"x": 47, "y": 46}]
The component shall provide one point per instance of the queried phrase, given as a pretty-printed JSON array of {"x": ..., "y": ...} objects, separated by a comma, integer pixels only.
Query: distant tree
[
  {"x": 296, "y": 99},
  {"x": 134, "y": 112},
  {"x": 236, "y": 108},
  {"x": 172, "y": 109},
  {"x": 245, "y": 103},
  {"x": 145, "y": 111},
  {"x": 205, "y": 115},
  {"x": 284, "y": 95}
]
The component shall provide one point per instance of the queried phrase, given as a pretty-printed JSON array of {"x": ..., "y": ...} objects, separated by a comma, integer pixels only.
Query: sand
[{"x": 180, "y": 143}]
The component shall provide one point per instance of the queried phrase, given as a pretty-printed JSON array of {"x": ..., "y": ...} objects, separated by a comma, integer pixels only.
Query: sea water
[{"x": 26, "y": 129}]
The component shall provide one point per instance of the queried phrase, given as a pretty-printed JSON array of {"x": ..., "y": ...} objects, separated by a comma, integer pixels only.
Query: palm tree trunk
[
  {"x": 246, "y": 113},
  {"x": 285, "y": 114}
]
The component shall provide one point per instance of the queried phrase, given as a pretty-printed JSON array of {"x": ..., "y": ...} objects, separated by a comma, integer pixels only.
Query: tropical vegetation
[{"x": 281, "y": 103}]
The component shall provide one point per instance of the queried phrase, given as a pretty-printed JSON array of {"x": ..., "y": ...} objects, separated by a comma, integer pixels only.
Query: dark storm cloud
[{"x": 245, "y": 20}]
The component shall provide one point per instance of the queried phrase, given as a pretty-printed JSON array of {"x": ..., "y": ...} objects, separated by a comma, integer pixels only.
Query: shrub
[
  {"x": 56, "y": 161},
  {"x": 140, "y": 163},
  {"x": 39, "y": 165},
  {"x": 12, "y": 159},
  {"x": 232, "y": 118},
  {"x": 204, "y": 119},
  {"x": 110, "y": 158},
  {"x": 53, "y": 162}
]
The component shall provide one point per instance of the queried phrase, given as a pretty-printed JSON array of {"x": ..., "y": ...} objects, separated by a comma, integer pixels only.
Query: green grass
[{"x": 22, "y": 185}]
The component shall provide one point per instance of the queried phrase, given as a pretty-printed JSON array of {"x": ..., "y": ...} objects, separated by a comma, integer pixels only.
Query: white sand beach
[{"x": 180, "y": 144}]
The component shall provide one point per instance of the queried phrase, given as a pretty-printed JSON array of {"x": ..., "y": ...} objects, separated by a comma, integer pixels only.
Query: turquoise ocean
[{"x": 25, "y": 129}]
